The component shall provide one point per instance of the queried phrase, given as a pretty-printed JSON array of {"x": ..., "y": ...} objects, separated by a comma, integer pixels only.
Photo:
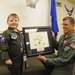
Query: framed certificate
[{"x": 38, "y": 40}]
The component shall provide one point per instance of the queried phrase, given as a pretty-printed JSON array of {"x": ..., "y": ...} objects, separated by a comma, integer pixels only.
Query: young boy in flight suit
[{"x": 12, "y": 46}]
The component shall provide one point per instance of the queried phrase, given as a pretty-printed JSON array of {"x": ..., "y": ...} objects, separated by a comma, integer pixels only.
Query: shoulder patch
[
  {"x": 72, "y": 45},
  {"x": 2, "y": 39}
]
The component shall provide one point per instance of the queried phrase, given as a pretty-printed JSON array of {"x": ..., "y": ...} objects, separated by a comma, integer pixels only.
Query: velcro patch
[
  {"x": 13, "y": 35},
  {"x": 66, "y": 48},
  {"x": 64, "y": 42}
]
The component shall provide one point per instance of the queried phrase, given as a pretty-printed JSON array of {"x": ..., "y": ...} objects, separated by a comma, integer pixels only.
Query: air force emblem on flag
[
  {"x": 13, "y": 35},
  {"x": 2, "y": 39}
]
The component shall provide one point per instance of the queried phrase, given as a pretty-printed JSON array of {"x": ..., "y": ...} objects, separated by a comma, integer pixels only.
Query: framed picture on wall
[{"x": 38, "y": 40}]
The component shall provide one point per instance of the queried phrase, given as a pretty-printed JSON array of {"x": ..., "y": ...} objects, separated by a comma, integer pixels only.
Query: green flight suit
[
  {"x": 64, "y": 62},
  {"x": 12, "y": 46}
]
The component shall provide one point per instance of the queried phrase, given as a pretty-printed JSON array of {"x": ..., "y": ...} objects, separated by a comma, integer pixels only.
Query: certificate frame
[{"x": 38, "y": 40}]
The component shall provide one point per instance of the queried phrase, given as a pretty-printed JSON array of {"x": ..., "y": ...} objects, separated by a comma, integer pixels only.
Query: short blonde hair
[{"x": 14, "y": 15}]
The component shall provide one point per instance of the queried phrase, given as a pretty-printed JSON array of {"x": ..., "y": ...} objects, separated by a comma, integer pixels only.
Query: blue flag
[{"x": 54, "y": 26}]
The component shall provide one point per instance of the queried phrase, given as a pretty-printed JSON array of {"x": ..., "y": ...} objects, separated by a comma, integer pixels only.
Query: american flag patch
[{"x": 73, "y": 45}]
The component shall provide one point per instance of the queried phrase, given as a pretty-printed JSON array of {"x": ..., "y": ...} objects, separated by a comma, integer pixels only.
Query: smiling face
[
  {"x": 13, "y": 21},
  {"x": 68, "y": 27}
]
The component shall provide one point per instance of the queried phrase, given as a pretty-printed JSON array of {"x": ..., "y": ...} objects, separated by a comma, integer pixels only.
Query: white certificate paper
[{"x": 38, "y": 40}]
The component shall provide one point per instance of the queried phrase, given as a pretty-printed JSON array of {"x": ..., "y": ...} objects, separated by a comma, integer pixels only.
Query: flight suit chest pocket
[
  {"x": 66, "y": 48},
  {"x": 65, "y": 51}
]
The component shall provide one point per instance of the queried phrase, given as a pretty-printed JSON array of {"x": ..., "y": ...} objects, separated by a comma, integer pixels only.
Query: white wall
[
  {"x": 28, "y": 16},
  {"x": 39, "y": 16},
  {"x": 61, "y": 13}
]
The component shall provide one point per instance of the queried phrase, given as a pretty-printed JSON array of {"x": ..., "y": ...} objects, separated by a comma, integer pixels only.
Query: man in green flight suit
[{"x": 63, "y": 62}]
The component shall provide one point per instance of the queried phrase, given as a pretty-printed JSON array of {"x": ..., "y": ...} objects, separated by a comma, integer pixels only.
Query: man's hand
[
  {"x": 8, "y": 62},
  {"x": 42, "y": 58},
  {"x": 53, "y": 35}
]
